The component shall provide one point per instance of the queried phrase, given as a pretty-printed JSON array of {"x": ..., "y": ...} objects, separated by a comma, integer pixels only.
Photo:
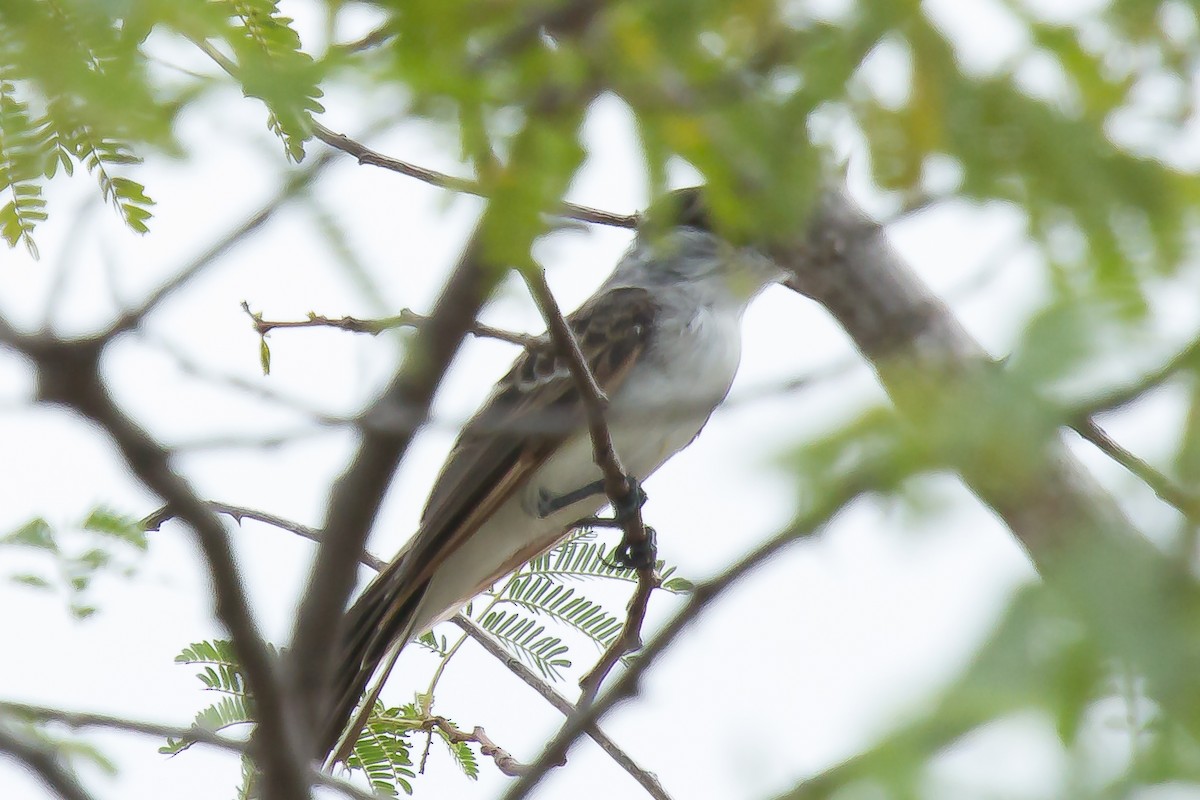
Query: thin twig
[
  {"x": 1187, "y": 503},
  {"x": 617, "y": 485},
  {"x": 155, "y": 520},
  {"x": 77, "y": 720},
  {"x": 645, "y": 779},
  {"x": 1187, "y": 358},
  {"x": 406, "y": 318},
  {"x": 43, "y": 762},
  {"x": 296, "y": 183},
  {"x": 373, "y": 39},
  {"x": 626, "y": 685},
  {"x": 365, "y": 155}
]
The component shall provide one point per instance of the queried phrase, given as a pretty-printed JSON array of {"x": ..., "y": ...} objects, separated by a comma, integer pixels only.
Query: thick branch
[
  {"x": 922, "y": 354},
  {"x": 388, "y": 427}
]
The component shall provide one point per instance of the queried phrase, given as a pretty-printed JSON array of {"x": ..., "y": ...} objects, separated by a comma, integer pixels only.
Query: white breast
[{"x": 661, "y": 406}]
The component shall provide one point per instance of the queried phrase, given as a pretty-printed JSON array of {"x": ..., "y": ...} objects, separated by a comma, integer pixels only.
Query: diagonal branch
[
  {"x": 702, "y": 596},
  {"x": 68, "y": 374},
  {"x": 365, "y": 155},
  {"x": 43, "y": 762},
  {"x": 616, "y": 482},
  {"x": 294, "y": 185},
  {"x": 388, "y": 427},
  {"x": 922, "y": 354},
  {"x": 646, "y": 780}
]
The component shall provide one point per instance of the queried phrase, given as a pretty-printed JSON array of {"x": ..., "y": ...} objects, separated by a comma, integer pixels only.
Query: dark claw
[
  {"x": 637, "y": 555},
  {"x": 633, "y": 501}
]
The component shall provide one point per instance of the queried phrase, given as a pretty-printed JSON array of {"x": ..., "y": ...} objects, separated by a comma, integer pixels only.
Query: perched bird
[{"x": 662, "y": 338}]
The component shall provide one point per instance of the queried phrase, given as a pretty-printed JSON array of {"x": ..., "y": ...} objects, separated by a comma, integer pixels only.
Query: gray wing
[{"x": 532, "y": 411}]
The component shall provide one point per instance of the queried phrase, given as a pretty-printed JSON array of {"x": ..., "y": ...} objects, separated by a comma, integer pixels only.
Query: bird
[{"x": 661, "y": 336}]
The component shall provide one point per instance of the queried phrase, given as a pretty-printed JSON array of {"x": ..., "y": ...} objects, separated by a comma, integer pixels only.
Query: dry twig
[{"x": 407, "y": 318}]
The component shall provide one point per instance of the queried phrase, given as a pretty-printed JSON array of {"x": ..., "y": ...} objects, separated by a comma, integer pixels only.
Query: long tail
[{"x": 384, "y": 615}]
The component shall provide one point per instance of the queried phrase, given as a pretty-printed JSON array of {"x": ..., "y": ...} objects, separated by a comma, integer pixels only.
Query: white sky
[{"x": 811, "y": 658}]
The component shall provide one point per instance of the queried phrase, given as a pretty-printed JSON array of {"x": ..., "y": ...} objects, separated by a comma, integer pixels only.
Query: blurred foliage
[
  {"x": 68, "y": 560},
  {"x": 1081, "y": 126}
]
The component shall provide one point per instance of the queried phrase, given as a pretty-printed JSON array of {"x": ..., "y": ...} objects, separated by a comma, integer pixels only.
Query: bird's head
[{"x": 678, "y": 243}]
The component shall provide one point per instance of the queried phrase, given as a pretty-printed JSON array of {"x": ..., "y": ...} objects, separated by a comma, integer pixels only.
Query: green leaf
[
  {"x": 273, "y": 67},
  {"x": 542, "y": 595},
  {"x": 526, "y": 638},
  {"x": 382, "y": 751},
  {"x": 36, "y": 533},
  {"x": 119, "y": 526},
  {"x": 264, "y": 355}
]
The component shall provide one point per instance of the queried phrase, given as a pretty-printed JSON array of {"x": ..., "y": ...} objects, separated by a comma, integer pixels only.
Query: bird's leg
[
  {"x": 547, "y": 503},
  {"x": 639, "y": 554},
  {"x": 633, "y": 501},
  {"x": 627, "y": 555}
]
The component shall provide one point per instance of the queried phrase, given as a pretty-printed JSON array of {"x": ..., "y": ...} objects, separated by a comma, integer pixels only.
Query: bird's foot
[{"x": 637, "y": 555}]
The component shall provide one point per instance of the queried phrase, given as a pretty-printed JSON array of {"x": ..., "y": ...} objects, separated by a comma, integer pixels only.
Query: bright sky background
[{"x": 810, "y": 659}]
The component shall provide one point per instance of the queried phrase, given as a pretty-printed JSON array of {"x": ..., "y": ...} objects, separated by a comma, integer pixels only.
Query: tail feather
[{"x": 383, "y": 615}]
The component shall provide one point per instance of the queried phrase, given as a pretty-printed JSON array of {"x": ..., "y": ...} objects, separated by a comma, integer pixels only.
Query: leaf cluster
[
  {"x": 542, "y": 589},
  {"x": 71, "y": 559}
]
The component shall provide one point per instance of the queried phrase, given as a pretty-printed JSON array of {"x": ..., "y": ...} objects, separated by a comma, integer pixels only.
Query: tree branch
[
  {"x": 365, "y": 155},
  {"x": 923, "y": 355},
  {"x": 616, "y": 482},
  {"x": 155, "y": 520},
  {"x": 1187, "y": 503},
  {"x": 43, "y": 762},
  {"x": 295, "y": 184},
  {"x": 405, "y": 319},
  {"x": 626, "y": 684},
  {"x": 77, "y": 720},
  {"x": 388, "y": 426},
  {"x": 645, "y": 779},
  {"x": 504, "y": 760},
  {"x": 68, "y": 374}
]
